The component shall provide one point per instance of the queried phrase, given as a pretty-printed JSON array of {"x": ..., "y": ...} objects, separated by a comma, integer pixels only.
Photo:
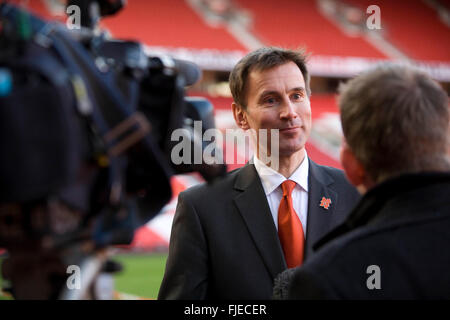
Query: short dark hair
[
  {"x": 395, "y": 119},
  {"x": 263, "y": 59}
]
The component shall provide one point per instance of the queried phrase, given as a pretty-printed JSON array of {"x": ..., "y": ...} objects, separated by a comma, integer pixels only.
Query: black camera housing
[{"x": 85, "y": 129}]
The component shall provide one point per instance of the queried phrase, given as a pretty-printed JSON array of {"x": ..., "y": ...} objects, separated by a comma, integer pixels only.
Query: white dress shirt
[{"x": 272, "y": 180}]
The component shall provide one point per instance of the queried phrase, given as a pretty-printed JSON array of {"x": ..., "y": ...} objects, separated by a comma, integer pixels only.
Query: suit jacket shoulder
[{"x": 335, "y": 177}]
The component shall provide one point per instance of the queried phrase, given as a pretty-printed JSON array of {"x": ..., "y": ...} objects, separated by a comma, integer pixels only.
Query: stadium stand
[
  {"x": 290, "y": 23},
  {"x": 170, "y": 23},
  {"x": 413, "y": 27}
]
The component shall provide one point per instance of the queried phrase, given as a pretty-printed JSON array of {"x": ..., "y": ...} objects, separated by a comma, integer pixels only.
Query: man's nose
[{"x": 288, "y": 110}]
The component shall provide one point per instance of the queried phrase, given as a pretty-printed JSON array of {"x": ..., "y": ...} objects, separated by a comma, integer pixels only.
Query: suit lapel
[
  {"x": 320, "y": 219},
  {"x": 252, "y": 205}
]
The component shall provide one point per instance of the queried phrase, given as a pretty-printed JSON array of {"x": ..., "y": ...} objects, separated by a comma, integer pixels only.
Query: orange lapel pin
[{"x": 325, "y": 203}]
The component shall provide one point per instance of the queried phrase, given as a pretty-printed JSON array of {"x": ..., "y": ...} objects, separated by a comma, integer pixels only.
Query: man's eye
[
  {"x": 297, "y": 96},
  {"x": 270, "y": 101}
]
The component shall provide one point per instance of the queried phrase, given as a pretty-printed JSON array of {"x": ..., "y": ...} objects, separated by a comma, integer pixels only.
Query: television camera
[{"x": 85, "y": 127}]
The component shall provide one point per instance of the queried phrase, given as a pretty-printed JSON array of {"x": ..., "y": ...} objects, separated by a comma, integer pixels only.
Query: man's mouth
[{"x": 290, "y": 129}]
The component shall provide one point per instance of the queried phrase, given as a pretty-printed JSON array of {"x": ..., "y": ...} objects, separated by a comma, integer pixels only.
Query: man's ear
[
  {"x": 353, "y": 168},
  {"x": 240, "y": 117}
]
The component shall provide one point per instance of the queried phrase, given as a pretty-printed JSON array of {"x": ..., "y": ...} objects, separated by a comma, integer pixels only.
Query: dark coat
[
  {"x": 224, "y": 243},
  {"x": 402, "y": 227}
]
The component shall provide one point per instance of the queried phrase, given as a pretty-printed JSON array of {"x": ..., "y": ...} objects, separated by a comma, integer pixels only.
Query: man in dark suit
[
  {"x": 230, "y": 239},
  {"x": 395, "y": 243}
]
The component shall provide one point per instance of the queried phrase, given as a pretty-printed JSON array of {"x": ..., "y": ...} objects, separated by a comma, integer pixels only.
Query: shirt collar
[{"x": 272, "y": 179}]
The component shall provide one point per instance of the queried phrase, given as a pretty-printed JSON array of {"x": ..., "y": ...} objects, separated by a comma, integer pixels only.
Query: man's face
[{"x": 277, "y": 99}]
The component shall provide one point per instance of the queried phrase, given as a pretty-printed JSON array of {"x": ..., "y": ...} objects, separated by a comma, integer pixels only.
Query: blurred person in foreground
[
  {"x": 394, "y": 244},
  {"x": 231, "y": 239}
]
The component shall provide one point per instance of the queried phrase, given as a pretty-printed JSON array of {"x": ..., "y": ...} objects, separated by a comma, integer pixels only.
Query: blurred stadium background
[{"x": 215, "y": 34}]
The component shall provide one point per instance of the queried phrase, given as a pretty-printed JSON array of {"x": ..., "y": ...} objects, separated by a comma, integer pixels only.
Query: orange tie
[{"x": 290, "y": 230}]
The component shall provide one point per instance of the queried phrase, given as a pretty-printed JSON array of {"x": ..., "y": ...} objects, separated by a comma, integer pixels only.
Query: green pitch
[{"x": 141, "y": 275}]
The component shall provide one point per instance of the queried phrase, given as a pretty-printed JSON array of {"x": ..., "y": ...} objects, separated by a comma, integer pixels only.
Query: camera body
[{"x": 85, "y": 130}]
